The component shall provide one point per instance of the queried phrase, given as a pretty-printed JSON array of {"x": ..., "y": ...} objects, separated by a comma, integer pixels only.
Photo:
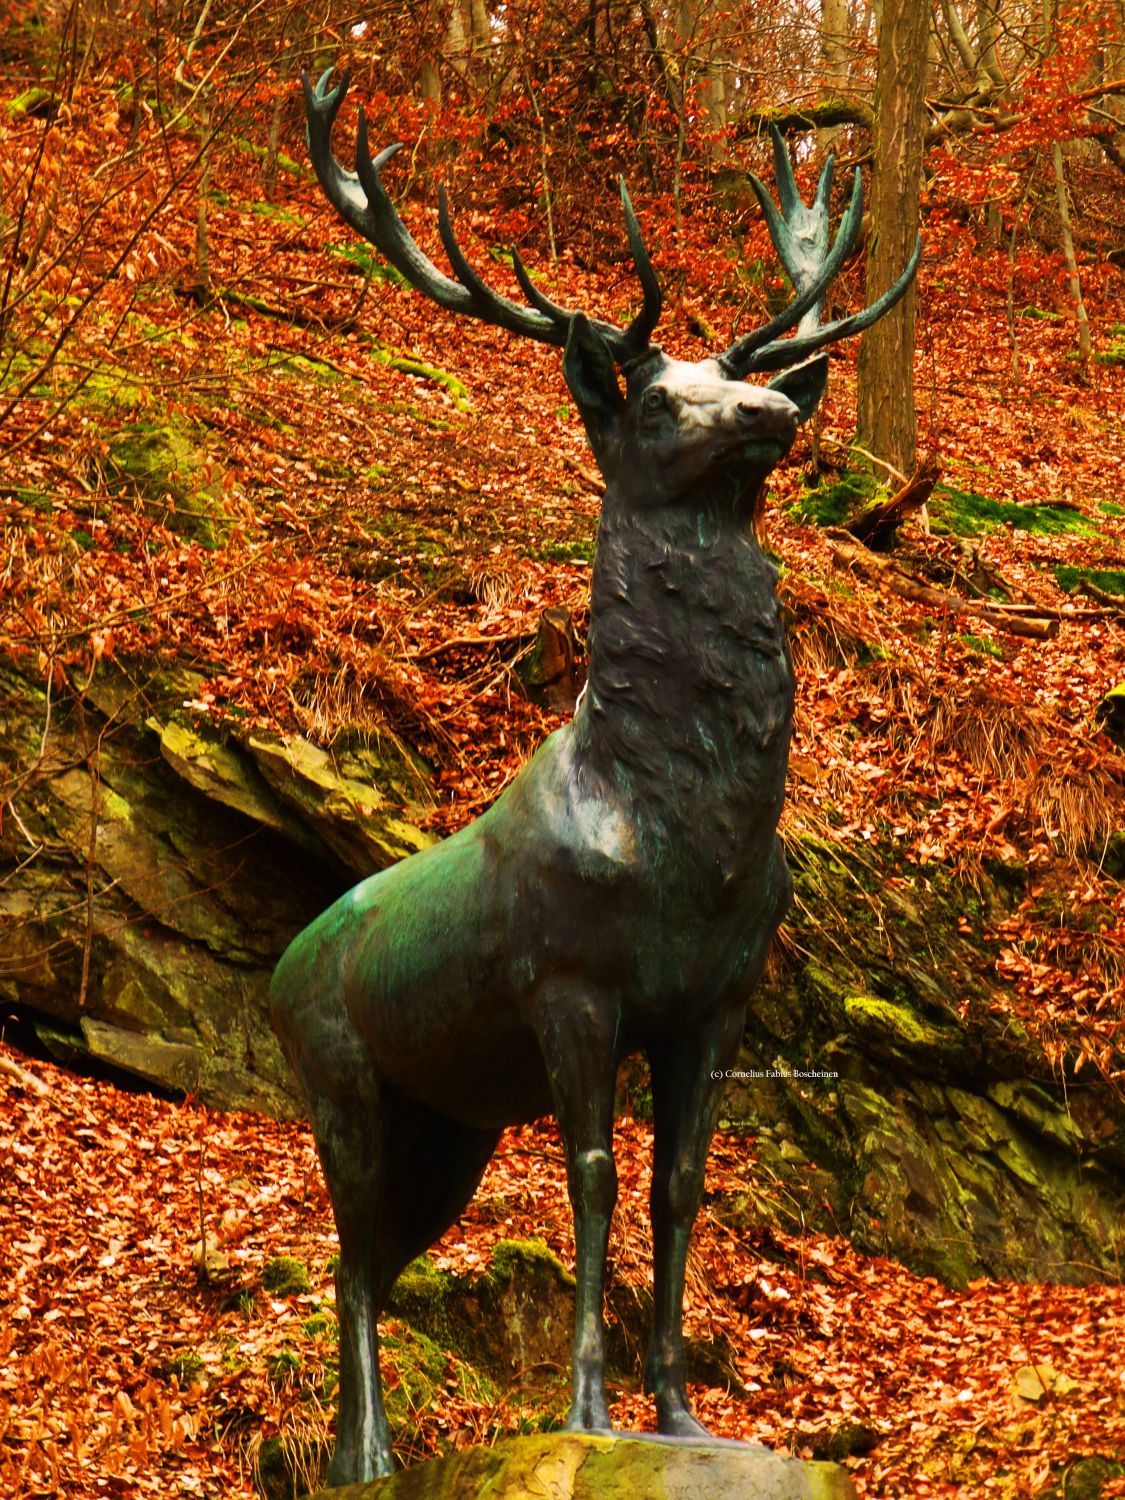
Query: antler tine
[
  {"x": 740, "y": 358},
  {"x": 787, "y": 194},
  {"x": 635, "y": 339},
  {"x": 341, "y": 188},
  {"x": 551, "y": 322},
  {"x": 785, "y": 352}
]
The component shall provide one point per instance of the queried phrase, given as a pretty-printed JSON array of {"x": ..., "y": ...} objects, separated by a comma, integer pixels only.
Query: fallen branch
[
  {"x": 21, "y": 1076},
  {"x": 593, "y": 481},
  {"x": 470, "y": 640},
  {"x": 852, "y": 554}
]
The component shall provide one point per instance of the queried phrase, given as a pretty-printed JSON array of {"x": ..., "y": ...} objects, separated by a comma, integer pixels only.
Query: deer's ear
[
  {"x": 591, "y": 377},
  {"x": 803, "y": 384}
]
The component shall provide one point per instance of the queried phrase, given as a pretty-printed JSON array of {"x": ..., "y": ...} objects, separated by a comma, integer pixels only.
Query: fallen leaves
[{"x": 123, "y": 1372}]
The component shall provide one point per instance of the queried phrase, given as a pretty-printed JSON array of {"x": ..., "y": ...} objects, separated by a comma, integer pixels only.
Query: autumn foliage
[{"x": 228, "y": 440}]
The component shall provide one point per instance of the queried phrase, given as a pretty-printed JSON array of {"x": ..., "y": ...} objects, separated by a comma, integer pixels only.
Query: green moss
[
  {"x": 417, "y": 1371},
  {"x": 580, "y": 550},
  {"x": 835, "y": 504},
  {"x": 1108, "y": 508},
  {"x": 361, "y": 256},
  {"x": 1110, "y": 580},
  {"x": 982, "y": 646},
  {"x": 275, "y": 211},
  {"x": 285, "y": 1276},
  {"x": 1040, "y": 314},
  {"x": 1085, "y": 1478},
  {"x": 322, "y": 1326},
  {"x": 513, "y": 1257},
  {"x": 161, "y": 468},
  {"x": 1110, "y": 713},
  {"x": 283, "y": 1367},
  {"x": 1112, "y": 354},
  {"x": 968, "y": 514},
  {"x": 456, "y": 389},
  {"x": 184, "y": 1367},
  {"x": 873, "y": 1016},
  {"x": 33, "y": 101}
]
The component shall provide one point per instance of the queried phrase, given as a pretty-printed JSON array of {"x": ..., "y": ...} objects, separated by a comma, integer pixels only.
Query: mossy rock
[
  {"x": 582, "y": 1466},
  {"x": 1084, "y": 1479},
  {"x": 1110, "y": 714},
  {"x": 165, "y": 472},
  {"x": 289, "y": 1465},
  {"x": 517, "y": 1318},
  {"x": 285, "y": 1276},
  {"x": 943, "y": 1139}
]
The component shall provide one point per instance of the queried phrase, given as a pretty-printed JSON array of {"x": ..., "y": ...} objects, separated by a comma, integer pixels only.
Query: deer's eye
[{"x": 653, "y": 400}]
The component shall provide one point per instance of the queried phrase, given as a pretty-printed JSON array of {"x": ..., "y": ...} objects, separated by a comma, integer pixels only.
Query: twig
[
  {"x": 469, "y": 640},
  {"x": 850, "y": 554},
  {"x": 23, "y": 1077}
]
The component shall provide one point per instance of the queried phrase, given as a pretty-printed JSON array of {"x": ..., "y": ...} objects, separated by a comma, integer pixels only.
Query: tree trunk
[
  {"x": 887, "y": 423},
  {"x": 833, "y": 61}
]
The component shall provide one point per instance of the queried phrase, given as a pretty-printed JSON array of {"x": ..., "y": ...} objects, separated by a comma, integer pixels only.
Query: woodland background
[{"x": 279, "y": 538}]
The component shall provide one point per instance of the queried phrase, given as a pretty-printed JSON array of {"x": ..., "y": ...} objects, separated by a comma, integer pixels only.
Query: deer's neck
[{"x": 690, "y": 692}]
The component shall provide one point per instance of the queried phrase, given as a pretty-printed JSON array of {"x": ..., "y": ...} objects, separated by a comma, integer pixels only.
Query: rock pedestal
[{"x": 583, "y": 1466}]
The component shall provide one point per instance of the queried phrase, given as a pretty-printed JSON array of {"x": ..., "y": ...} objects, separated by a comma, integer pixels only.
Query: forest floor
[
  {"x": 123, "y": 1371},
  {"x": 345, "y": 508}
]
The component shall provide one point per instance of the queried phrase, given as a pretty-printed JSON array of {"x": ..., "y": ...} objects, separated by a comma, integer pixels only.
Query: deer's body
[
  {"x": 621, "y": 895},
  {"x": 637, "y": 848}
]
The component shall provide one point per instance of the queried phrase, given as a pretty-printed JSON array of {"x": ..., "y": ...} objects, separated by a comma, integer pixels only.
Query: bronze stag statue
[{"x": 621, "y": 895}]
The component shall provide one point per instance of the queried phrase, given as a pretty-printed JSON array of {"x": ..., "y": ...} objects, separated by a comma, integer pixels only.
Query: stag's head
[{"x": 665, "y": 432}]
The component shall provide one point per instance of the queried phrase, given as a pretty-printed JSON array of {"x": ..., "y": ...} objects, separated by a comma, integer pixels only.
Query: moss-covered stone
[
  {"x": 203, "y": 871},
  {"x": 285, "y": 1276},
  {"x": 164, "y": 470},
  {"x": 580, "y": 1466},
  {"x": 516, "y": 1318},
  {"x": 943, "y": 1139}
]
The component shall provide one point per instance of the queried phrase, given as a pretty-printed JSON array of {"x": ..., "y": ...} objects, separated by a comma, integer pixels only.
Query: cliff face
[{"x": 154, "y": 871}]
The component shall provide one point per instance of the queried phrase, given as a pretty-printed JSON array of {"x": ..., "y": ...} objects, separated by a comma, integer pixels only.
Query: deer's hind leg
[{"x": 398, "y": 1175}]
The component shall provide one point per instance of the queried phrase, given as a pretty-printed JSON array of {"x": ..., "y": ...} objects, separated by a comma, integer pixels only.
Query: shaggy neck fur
[{"x": 689, "y": 701}]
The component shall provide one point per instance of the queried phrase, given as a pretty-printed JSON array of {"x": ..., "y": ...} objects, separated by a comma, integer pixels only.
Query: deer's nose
[{"x": 772, "y": 418}]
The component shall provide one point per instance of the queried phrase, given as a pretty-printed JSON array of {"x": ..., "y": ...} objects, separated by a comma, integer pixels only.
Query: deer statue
[{"x": 620, "y": 896}]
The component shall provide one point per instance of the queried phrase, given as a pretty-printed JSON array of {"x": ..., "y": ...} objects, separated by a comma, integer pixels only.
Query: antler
[
  {"x": 800, "y": 236},
  {"x": 361, "y": 199}
]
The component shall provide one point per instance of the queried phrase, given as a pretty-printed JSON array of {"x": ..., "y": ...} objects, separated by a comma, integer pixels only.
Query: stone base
[{"x": 629, "y": 1466}]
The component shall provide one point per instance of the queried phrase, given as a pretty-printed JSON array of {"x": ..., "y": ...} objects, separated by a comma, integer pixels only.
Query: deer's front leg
[
  {"x": 577, "y": 1032},
  {"x": 685, "y": 1093}
]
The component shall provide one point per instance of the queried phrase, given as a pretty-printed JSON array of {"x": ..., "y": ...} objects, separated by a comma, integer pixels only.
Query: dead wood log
[{"x": 550, "y": 673}]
